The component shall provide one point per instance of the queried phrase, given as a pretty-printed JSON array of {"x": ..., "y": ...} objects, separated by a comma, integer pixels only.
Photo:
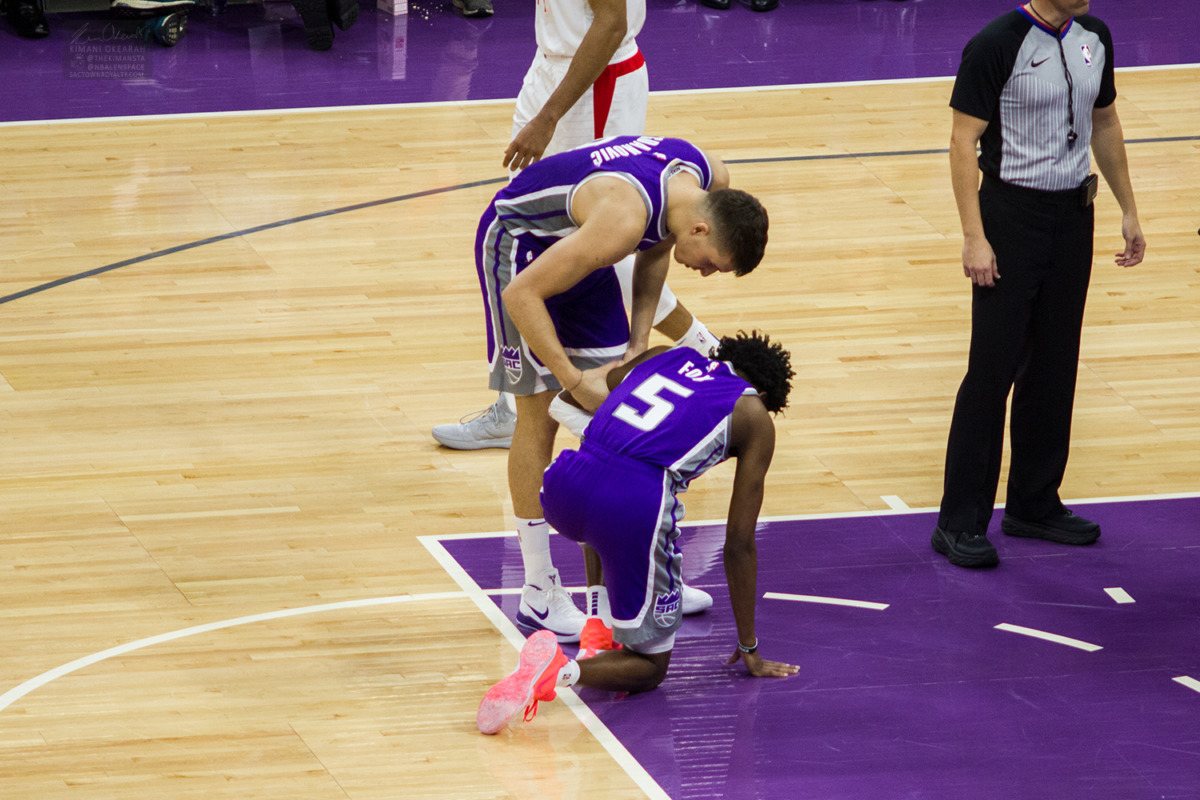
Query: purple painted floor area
[
  {"x": 925, "y": 699},
  {"x": 254, "y": 56}
]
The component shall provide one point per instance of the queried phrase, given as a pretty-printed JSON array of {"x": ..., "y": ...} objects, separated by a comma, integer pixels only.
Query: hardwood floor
[{"x": 242, "y": 427}]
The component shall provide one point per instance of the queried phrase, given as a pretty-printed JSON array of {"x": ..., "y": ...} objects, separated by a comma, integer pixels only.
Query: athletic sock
[
  {"x": 569, "y": 674},
  {"x": 534, "y": 535},
  {"x": 699, "y": 338},
  {"x": 597, "y": 604}
]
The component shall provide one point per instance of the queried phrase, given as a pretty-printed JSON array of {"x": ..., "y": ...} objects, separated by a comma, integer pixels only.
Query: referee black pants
[{"x": 1024, "y": 337}]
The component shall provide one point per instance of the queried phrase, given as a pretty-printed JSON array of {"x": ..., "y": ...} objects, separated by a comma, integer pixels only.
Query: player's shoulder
[{"x": 752, "y": 426}]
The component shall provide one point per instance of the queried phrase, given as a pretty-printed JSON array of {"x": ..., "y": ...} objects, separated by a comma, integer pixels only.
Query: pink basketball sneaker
[{"x": 534, "y": 679}]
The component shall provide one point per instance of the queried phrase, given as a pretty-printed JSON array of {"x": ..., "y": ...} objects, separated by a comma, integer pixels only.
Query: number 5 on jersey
[{"x": 650, "y": 392}]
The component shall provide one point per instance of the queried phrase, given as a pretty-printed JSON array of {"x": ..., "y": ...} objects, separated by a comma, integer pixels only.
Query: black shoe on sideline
[
  {"x": 763, "y": 5},
  {"x": 963, "y": 550},
  {"x": 1064, "y": 528},
  {"x": 28, "y": 19},
  {"x": 719, "y": 5}
]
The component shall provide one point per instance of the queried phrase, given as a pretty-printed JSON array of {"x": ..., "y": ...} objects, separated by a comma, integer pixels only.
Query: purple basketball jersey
[
  {"x": 538, "y": 200},
  {"x": 533, "y": 212},
  {"x": 667, "y": 422},
  {"x": 671, "y": 411}
]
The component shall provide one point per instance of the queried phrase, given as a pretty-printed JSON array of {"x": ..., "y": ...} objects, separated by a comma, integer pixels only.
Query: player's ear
[{"x": 700, "y": 228}]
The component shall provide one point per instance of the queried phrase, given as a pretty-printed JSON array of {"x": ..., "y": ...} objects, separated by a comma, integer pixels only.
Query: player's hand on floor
[{"x": 760, "y": 667}]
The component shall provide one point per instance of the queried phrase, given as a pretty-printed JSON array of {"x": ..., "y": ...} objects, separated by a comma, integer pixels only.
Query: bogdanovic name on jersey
[{"x": 642, "y": 144}]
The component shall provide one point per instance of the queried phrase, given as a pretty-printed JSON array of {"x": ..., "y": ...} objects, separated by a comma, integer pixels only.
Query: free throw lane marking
[
  {"x": 1049, "y": 637},
  {"x": 1191, "y": 683},
  {"x": 831, "y": 601},
  {"x": 1120, "y": 595},
  {"x": 608, "y": 740}
]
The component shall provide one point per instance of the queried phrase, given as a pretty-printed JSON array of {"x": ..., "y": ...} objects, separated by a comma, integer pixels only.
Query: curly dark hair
[
  {"x": 740, "y": 225},
  {"x": 765, "y": 364}
]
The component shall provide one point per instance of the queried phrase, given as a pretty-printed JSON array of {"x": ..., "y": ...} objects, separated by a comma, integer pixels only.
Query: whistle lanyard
[{"x": 1072, "y": 137}]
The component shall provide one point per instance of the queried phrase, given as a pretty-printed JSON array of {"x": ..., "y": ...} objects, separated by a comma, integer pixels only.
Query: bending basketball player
[
  {"x": 672, "y": 415},
  {"x": 588, "y": 80},
  {"x": 542, "y": 252}
]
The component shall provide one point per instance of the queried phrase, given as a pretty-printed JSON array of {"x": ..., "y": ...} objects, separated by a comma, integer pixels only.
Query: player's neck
[{"x": 684, "y": 198}]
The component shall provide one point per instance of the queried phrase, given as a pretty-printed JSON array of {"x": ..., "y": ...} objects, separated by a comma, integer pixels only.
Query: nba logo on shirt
[
  {"x": 1087, "y": 54},
  {"x": 512, "y": 362},
  {"x": 666, "y": 608}
]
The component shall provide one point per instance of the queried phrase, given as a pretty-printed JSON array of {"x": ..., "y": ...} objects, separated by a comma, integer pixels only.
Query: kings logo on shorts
[
  {"x": 666, "y": 608},
  {"x": 512, "y": 362}
]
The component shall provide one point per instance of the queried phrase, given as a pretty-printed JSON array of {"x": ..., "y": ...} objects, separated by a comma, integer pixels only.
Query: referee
[{"x": 1035, "y": 88}]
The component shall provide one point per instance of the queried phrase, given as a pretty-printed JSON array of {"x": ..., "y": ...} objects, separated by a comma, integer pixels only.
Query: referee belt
[{"x": 1064, "y": 197}]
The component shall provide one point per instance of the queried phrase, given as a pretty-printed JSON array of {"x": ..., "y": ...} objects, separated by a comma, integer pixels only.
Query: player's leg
[
  {"x": 597, "y": 630},
  {"x": 591, "y": 325},
  {"x": 578, "y": 493},
  {"x": 545, "y": 604},
  {"x": 493, "y": 426},
  {"x": 625, "y": 670},
  {"x": 542, "y": 668},
  {"x": 630, "y": 541}
]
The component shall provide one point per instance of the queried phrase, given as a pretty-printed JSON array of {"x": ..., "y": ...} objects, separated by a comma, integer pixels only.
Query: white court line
[
  {"x": 880, "y": 82},
  {"x": 829, "y": 601},
  {"x": 604, "y": 736},
  {"x": 506, "y": 627},
  {"x": 1137, "y": 498},
  {"x": 1049, "y": 637},
  {"x": 1191, "y": 683},
  {"x": 1119, "y": 595},
  {"x": 16, "y": 693},
  {"x": 505, "y": 101},
  {"x": 895, "y": 503},
  {"x": 517, "y": 590}
]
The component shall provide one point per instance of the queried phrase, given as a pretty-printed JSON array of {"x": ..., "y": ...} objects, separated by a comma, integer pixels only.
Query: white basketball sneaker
[
  {"x": 695, "y": 600},
  {"x": 551, "y": 609},
  {"x": 491, "y": 427}
]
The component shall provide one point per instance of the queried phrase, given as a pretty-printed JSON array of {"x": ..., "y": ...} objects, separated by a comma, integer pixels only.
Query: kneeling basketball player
[{"x": 672, "y": 415}]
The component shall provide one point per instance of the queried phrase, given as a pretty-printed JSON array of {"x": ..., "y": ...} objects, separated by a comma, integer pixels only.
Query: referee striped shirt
[{"x": 1013, "y": 75}]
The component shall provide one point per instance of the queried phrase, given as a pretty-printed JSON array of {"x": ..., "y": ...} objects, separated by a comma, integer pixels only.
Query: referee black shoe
[
  {"x": 1063, "y": 527},
  {"x": 965, "y": 550}
]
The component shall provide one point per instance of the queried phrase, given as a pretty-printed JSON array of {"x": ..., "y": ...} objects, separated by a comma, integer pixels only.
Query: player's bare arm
[
  {"x": 612, "y": 218},
  {"x": 752, "y": 442},
  {"x": 601, "y": 41},
  {"x": 649, "y": 275},
  {"x": 614, "y": 378}
]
